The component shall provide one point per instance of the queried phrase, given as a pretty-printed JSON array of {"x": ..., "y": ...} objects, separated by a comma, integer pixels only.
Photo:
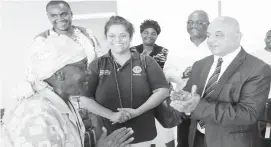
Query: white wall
[
  {"x": 254, "y": 19},
  {"x": 171, "y": 15},
  {"x": 253, "y": 16},
  {"x": 22, "y": 21}
]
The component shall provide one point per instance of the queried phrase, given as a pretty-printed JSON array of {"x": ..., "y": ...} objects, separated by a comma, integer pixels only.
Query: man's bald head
[
  {"x": 224, "y": 35},
  {"x": 226, "y": 22},
  {"x": 197, "y": 24},
  {"x": 202, "y": 15},
  {"x": 58, "y": 2}
]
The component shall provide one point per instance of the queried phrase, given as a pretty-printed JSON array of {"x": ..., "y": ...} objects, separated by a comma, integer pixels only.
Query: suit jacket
[{"x": 231, "y": 114}]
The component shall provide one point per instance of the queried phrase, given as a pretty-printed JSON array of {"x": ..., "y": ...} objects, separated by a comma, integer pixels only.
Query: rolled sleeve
[{"x": 155, "y": 74}]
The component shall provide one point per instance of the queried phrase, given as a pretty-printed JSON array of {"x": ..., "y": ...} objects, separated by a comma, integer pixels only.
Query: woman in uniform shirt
[{"x": 123, "y": 92}]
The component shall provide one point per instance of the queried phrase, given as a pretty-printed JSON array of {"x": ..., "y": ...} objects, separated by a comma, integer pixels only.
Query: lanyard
[
  {"x": 115, "y": 65},
  {"x": 78, "y": 125}
]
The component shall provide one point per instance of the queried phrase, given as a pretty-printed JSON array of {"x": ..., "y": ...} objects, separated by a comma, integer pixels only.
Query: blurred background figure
[
  {"x": 60, "y": 38},
  {"x": 178, "y": 66},
  {"x": 265, "y": 121},
  {"x": 150, "y": 30},
  {"x": 265, "y": 54}
]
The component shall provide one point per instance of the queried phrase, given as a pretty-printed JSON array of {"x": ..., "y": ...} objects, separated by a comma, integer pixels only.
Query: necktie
[{"x": 210, "y": 86}]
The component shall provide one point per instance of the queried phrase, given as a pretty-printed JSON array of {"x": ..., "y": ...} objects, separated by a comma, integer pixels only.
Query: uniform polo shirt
[{"x": 103, "y": 89}]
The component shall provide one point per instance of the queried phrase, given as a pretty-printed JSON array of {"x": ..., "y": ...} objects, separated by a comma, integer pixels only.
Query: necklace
[{"x": 117, "y": 83}]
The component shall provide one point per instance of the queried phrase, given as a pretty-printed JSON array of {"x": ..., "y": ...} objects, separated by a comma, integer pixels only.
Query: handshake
[
  {"x": 123, "y": 115},
  {"x": 184, "y": 101}
]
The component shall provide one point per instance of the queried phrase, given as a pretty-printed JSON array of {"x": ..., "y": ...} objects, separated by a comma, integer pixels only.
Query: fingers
[
  {"x": 104, "y": 133},
  {"x": 180, "y": 95},
  {"x": 186, "y": 106},
  {"x": 189, "y": 68},
  {"x": 129, "y": 115},
  {"x": 114, "y": 122},
  {"x": 126, "y": 114},
  {"x": 177, "y": 107},
  {"x": 194, "y": 90},
  {"x": 127, "y": 142},
  {"x": 115, "y": 133},
  {"x": 122, "y": 136}
]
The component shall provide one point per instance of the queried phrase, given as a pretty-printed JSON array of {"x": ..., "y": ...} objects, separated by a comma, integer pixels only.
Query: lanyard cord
[
  {"x": 77, "y": 123},
  {"x": 117, "y": 83}
]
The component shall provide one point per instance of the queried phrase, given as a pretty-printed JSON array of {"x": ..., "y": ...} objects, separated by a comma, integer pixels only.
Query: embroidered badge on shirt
[
  {"x": 105, "y": 72},
  {"x": 137, "y": 71}
]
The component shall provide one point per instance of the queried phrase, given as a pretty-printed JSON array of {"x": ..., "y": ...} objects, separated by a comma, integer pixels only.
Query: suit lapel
[
  {"x": 237, "y": 61},
  {"x": 204, "y": 73}
]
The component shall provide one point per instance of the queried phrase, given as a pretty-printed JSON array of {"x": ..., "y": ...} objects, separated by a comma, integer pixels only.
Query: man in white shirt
[
  {"x": 178, "y": 65},
  {"x": 233, "y": 87},
  {"x": 194, "y": 48}
]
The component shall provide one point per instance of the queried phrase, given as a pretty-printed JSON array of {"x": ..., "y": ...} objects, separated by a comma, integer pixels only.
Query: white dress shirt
[
  {"x": 226, "y": 62},
  {"x": 179, "y": 60}
]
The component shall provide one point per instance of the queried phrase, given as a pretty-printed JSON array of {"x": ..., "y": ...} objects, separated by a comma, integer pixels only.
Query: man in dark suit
[{"x": 233, "y": 87}]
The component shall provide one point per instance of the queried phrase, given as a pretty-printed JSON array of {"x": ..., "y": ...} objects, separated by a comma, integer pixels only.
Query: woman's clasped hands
[{"x": 123, "y": 115}]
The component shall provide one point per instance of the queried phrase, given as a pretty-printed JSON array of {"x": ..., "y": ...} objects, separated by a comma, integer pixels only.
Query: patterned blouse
[
  {"x": 159, "y": 53},
  {"x": 43, "y": 120}
]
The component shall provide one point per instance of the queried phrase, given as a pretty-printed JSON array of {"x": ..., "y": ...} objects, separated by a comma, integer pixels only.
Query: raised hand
[
  {"x": 187, "y": 73},
  {"x": 118, "y": 138},
  {"x": 180, "y": 95},
  {"x": 187, "y": 105}
]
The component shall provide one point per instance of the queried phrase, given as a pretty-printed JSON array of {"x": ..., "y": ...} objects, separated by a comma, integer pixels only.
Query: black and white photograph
[{"x": 135, "y": 73}]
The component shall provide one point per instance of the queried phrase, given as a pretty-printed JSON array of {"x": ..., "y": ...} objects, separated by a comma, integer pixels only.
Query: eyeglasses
[
  {"x": 198, "y": 23},
  {"x": 63, "y": 14}
]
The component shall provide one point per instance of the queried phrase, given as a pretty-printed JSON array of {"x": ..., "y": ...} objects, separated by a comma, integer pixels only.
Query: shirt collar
[
  {"x": 229, "y": 57},
  {"x": 203, "y": 44},
  {"x": 57, "y": 101},
  {"x": 54, "y": 33}
]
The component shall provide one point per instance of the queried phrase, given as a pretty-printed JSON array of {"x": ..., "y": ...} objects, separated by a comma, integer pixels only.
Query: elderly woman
[
  {"x": 150, "y": 30},
  {"x": 124, "y": 92}
]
